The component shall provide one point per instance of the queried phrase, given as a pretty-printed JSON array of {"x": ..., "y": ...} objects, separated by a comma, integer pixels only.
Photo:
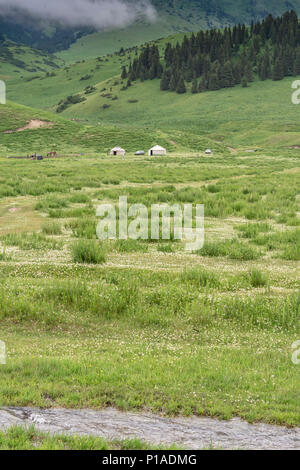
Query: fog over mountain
[
  {"x": 98, "y": 14},
  {"x": 53, "y": 25}
]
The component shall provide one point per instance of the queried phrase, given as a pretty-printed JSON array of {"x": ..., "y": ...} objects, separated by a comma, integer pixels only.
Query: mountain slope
[
  {"x": 176, "y": 16},
  {"x": 261, "y": 115},
  {"x": 173, "y": 16},
  {"x": 24, "y": 60},
  {"x": 28, "y": 32},
  {"x": 69, "y": 137}
]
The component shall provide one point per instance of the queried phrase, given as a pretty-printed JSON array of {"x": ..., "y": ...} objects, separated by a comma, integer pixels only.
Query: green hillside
[
  {"x": 69, "y": 137},
  {"x": 44, "y": 91},
  {"x": 260, "y": 115},
  {"x": 176, "y": 16},
  {"x": 107, "y": 42},
  {"x": 20, "y": 60}
]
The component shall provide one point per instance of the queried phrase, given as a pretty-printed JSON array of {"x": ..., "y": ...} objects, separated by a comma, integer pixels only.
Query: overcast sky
[{"x": 96, "y": 13}]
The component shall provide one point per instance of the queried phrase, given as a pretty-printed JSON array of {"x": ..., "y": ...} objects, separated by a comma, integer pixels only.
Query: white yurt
[
  {"x": 157, "y": 150},
  {"x": 208, "y": 152},
  {"x": 118, "y": 151}
]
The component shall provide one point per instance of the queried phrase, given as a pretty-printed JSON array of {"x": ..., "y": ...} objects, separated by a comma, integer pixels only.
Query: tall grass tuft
[
  {"x": 3, "y": 255},
  {"x": 51, "y": 228},
  {"x": 31, "y": 241},
  {"x": 252, "y": 230},
  {"x": 257, "y": 278},
  {"x": 89, "y": 252},
  {"x": 165, "y": 248},
  {"x": 232, "y": 249},
  {"x": 130, "y": 246},
  {"x": 262, "y": 311},
  {"x": 291, "y": 253},
  {"x": 201, "y": 278}
]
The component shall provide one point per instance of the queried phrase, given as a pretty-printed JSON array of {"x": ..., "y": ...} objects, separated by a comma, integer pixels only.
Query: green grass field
[
  {"x": 21, "y": 61},
  {"x": 260, "y": 116},
  {"x": 143, "y": 325},
  {"x": 67, "y": 136},
  {"x": 18, "y": 438},
  {"x": 148, "y": 325}
]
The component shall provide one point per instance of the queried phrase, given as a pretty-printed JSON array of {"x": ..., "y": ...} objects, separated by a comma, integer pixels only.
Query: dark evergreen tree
[
  {"x": 248, "y": 72},
  {"x": 165, "y": 81},
  {"x": 124, "y": 73},
  {"x": 173, "y": 82},
  {"x": 244, "y": 82},
  {"x": 195, "y": 86},
  {"x": 168, "y": 55},
  {"x": 227, "y": 79},
  {"x": 202, "y": 84},
  {"x": 213, "y": 82},
  {"x": 277, "y": 70},
  {"x": 189, "y": 74},
  {"x": 297, "y": 62},
  {"x": 221, "y": 58},
  {"x": 181, "y": 88}
]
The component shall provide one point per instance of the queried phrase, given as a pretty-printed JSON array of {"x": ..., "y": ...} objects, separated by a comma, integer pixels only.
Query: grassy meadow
[
  {"x": 76, "y": 138},
  {"x": 261, "y": 116},
  {"x": 18, "y": 438},
  {"x": 146, "y": 325}
]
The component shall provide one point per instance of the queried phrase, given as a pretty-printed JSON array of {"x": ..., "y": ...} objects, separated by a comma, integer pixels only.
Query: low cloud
[{"x": 99, "y": 14}]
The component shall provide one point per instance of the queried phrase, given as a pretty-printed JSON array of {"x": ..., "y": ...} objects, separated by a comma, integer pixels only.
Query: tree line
[{"x": 215, "y": 59}]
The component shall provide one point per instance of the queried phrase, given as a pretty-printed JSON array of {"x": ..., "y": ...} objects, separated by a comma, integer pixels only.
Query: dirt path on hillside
[
  {"x": 33, "y": 124},
  {"x": 189, "y": 433}
]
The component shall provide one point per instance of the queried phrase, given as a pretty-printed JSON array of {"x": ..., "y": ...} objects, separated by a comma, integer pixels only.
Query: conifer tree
[
  {"x": 227, "y": 79},
  {"x": 202, "y": 84},
  {"x": 189, "y": 75},
  {"x": 168, "y": 54},
  {"x": 262, "y": 73},
  {"x": 297, "y": 62},
  {"x": 173, "y": 82},
  {"x": 248, "y": 72},
  {"x": 165, "y": 81},
  {"x": 221, "y": 58},
  {"x": 213, "y": 81},
  {"x": 244, "y": 82},
  {"x": 124, "y": 73},
  {"x": 195, "y": 86},
  {"x": 277, "y": 70},
  {"x": 181, "y": 88}
]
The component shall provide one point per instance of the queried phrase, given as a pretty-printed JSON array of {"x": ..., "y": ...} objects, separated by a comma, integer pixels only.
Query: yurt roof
[
  {"x": 115, "y": 149},
  {"x": 157, "y": 147}
]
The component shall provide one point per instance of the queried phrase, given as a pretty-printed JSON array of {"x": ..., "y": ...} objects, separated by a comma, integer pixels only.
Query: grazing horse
[{"x": 52, "y": 154}]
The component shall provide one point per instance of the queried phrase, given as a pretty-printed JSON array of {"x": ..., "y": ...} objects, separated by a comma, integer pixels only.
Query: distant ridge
[{"x": 173, "y": 16}]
